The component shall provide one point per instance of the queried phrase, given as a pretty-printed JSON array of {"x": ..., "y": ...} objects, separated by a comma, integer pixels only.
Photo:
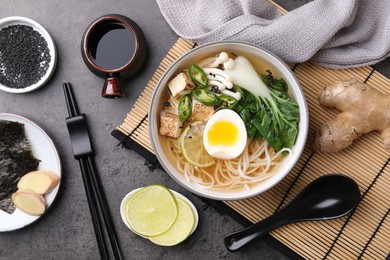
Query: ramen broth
[{"x": 170, "y": 146}]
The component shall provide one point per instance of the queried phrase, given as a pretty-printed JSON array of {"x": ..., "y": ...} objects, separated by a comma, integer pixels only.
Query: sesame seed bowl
[{"x": 28, "y": 55}]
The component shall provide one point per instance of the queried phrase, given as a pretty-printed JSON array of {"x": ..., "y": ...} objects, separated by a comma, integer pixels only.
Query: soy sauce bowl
[
  {"x": 19, "y": 20},
  {"x": 122, "y": 55}
]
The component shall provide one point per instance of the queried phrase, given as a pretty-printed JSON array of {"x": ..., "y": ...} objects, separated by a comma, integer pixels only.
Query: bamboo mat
[{"x": 364, "y": 234}]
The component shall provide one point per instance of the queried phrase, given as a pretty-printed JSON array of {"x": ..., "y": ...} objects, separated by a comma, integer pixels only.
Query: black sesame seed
[
  {"x": 24, "y": 56},
  {"x": 215, "y": 89}
]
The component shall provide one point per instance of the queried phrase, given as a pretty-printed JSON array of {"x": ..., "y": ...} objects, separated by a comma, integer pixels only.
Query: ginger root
[
  {"x": 41, "y": 182},
  {"x": 363, "y": 109},
  {"x": 31, "y": 188},
  {"x": 29, "y": 202}
]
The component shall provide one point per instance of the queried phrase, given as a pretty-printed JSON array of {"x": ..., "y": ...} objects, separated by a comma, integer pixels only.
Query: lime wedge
[
  {"x": 182, "y": 228},
  {"x": 191, "y": 146},
  {"x": 151, "y": 211}
]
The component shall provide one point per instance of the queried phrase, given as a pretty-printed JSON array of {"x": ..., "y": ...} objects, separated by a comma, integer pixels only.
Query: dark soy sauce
[{"x": 111, "y": 45}]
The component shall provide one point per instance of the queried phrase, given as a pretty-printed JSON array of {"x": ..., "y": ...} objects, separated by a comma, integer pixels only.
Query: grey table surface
[{"x": 66, "y": 231}]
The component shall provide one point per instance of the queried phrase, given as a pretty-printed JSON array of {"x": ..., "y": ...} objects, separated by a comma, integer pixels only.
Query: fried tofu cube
[
  {"x": 201, "y": 112},
  {"x": 180, "y": 84},
  {"x": 172, "y": 105},
  {"x": 170, "y": 125}
]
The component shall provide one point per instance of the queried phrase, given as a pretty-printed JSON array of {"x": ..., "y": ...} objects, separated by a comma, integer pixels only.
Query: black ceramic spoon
[{"x": 328, "y": 197}]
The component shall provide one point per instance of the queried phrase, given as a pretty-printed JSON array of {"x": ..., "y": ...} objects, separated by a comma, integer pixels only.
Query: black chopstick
[
  {"x": 95, "y": 195},
  {"x": 94, "y": 214},
  {"x": 104, "y": 209},
  {"x": 69, "y": 98}
]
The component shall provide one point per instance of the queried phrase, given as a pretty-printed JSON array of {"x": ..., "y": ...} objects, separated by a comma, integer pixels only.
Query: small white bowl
[
  {"x": 126, "y": 198},
  {"x": 18, "y": 20},
  {"x": 261, "y": 58}
]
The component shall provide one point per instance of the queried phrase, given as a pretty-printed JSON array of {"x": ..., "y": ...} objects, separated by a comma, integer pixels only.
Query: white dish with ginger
[{"x": 43, "y": 149}]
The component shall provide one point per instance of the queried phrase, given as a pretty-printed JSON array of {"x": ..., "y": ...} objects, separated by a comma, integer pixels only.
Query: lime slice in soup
[
  {"x": 151, "y": 211},
  {"x": 181, "y": 229},
  {"x": 191, "y": 146}
]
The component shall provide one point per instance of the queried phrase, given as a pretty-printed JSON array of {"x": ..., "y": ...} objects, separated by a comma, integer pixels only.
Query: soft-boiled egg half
[{"x": 225, "y": 135}]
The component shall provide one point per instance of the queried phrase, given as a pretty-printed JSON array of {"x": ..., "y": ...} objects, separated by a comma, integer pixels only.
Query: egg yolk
[{"x": 223, "y": 133}]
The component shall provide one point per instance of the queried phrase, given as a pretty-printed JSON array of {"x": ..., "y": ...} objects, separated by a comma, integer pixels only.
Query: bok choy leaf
[{"x": 265, "y": 107}]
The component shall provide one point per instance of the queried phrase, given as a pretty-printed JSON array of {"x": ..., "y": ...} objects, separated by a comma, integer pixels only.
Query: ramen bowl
[{"x": 263, "y": 60}]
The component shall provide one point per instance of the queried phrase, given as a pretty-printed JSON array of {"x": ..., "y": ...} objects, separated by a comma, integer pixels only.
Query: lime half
[
  {"x": 151, "y": 211},
  {"x": 191, "y": 146},
  {"x": 182, "y": 228}
]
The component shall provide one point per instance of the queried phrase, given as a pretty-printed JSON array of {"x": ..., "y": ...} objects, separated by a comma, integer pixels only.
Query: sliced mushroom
[{"x": 236, "y": 95}]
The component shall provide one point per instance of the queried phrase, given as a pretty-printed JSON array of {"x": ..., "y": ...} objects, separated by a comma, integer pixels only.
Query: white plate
[
  {"x": 19, "y": 20},
  {"x": 44, "y": 150},
  {"x": 177, "y": 194}
]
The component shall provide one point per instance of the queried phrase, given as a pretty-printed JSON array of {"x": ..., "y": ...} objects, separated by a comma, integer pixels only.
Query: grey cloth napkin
[{"x": 333, "y": 33}]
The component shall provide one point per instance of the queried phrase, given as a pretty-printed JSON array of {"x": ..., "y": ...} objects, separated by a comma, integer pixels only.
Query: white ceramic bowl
[
  {"x": 261, "y": 58},
  {"x": 18, "y": 20}
]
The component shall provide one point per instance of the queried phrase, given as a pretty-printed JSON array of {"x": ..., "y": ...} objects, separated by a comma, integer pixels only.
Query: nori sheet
[{"x": 16, "y": 160}]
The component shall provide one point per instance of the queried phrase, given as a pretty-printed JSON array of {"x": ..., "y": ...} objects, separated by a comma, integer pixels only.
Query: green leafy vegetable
[
  {"x": 273, "y": 83},
  {"x": 276, "y": 122}
]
